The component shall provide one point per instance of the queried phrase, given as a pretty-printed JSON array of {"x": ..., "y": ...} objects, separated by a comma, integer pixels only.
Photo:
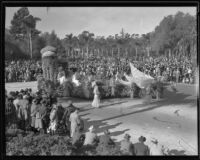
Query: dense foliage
[
  {"x": 175, "y": 35},
  {"x": 41, "y": 145}
]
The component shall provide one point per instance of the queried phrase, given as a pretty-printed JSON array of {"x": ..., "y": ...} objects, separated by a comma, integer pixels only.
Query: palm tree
[
  {"x": 69, "y": 43},
  {"x": 87, "y": 38},
  {"x": 29, "y": 22},
  {"x": 111, "y": 43}
]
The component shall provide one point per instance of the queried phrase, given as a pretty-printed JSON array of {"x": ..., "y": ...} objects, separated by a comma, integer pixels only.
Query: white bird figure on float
[{"x": 141, "y": 79}]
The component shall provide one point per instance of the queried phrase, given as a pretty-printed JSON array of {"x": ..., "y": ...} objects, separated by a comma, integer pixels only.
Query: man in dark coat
[
  {"x": 11, "y": 115},
  {"x": 140, "y": 148},
  {"x": 105, "y": 139},
  {"x": 25, "y": 112},
  {"x": 70, "y": 109},
  {"x": 105, "y": 144}
]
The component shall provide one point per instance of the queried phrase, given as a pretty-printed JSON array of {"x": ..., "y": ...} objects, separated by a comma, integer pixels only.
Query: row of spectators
[
  {"x": 22, "y": 70},
  {"x": 173, "y": 69}
]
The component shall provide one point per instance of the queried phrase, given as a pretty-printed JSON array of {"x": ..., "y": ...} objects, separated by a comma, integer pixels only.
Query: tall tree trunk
[
  {"x": 82, "y": 53},
  {"x": 136, "y": 52},
  {"x": 118, "y": 52},
  {"x": 169, "y": 53},
  {"x": 87, "y": 50},
  {"x": 112, "y": 52},
  {"x": 98, "y": 52},
  {"x": 30, "y": 42},
  {"x": 126, "y": 52},
  {"x": 148, "y": 53},
  {"x": 68, "y": 54}
]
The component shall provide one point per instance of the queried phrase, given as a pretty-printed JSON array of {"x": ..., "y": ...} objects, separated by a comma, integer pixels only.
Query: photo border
[{"x": 88, "y": 4}]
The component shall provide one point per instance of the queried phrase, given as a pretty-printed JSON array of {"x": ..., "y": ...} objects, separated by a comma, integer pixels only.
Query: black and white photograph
[{"x": 91, "y": 80}]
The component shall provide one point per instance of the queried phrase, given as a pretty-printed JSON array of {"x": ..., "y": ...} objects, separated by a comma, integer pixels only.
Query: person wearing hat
[
  {"x": 90, "y": 137},
  {"x": 75, "y": 121},
  {"x": 34, "y": 107},
  {"x": 24, "y": 112},
  {"x": 16, "y": 103},
  {"x": 148, "y": 96},
  {"x": 105, "y": 140},
  {"x": 126, "y": 146},
  {"x": 10, "y": 111},
  {"x": 156, "y": 148},
  {"x": 38, "y": 119},
  {"x": 140, "y": 148},
  {"x": 68, "y": 110},
  {"x": 30, "y": 91},
  {"x": 43, "y": 114}
]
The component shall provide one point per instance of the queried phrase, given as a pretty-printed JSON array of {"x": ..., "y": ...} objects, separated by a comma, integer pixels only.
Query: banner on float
[{"x": 141, "y": 79}]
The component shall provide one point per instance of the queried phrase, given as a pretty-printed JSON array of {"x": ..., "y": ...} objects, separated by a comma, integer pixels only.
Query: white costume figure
[
  {"x": 75, "y": 121},
  {"x": 156, "y": 149},
  {"x": 74, "y": 80},
  {"x": 61, "y": 77},
  {"x": 62, "y": 80},
  {"x": 96, "y": 100},
  {"x": 90, "y": 137}
]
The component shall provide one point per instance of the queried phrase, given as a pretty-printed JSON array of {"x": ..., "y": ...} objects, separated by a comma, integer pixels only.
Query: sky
[{"x": 102, "y": 21}]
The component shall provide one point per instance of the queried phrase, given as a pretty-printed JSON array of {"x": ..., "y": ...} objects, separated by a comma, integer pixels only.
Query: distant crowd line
[{"x": 172, "y": 69}]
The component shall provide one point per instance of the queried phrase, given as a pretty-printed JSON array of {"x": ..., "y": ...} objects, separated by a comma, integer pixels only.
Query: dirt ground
[{"x": 172, "y": 121}]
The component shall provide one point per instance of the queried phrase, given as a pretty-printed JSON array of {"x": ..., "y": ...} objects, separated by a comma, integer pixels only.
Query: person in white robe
[
  {"x": 75, "y": 122},
  {"x": 96, "y": 100},
  {"x": 156, "y": 149}
]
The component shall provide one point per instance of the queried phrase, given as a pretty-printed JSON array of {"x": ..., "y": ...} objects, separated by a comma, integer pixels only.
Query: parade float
[
  {"x": 56, "y": 80},
  {"x": 48, "y": 81}
]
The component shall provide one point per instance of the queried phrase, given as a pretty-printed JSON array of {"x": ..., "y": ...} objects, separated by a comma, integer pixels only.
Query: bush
[
  {"x": 108, "y": 150},
  {"x": 39, "y": 145},
  {"x": 122, "y": 90},
  {"x": 85, "y": 89}
]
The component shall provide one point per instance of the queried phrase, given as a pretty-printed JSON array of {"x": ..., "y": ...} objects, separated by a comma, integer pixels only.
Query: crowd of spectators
[
  {"x": 22, "y": 70},
  {"x": 41, "y": 113},
  {"x": 173, "y": 69}
]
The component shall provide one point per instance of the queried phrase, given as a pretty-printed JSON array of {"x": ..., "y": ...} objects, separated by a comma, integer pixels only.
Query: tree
[
  {"x": 38, "y": 43},
  {"x": 70, "y": 43},
  {"x": 53, "y": 40},
  {"x": 112, "y": 44},
  {"x": 86, "y": 37},
  {"x": 174, "y": 34},
  {"x": 23, "y": 26}
]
